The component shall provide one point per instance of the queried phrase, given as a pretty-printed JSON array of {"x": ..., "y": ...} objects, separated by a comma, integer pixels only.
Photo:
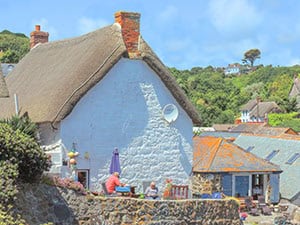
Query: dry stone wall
[
  {"x": 42, "y": 204},
  {"x": 206, "y": 183}
]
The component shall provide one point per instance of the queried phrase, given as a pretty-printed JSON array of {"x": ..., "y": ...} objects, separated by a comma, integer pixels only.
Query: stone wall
[
  {"x": 42, "y": 204},
  {"x": 206, "y": 183}
]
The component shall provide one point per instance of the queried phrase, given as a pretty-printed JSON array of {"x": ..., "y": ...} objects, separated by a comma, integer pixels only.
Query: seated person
[
  {"x": 112, "y": 182},
  {"x": 152, "y": 191},
  {"x": 256, "y": 192}
]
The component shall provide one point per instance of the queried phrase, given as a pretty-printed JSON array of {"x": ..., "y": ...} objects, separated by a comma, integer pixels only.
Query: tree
[{"x": 251, "y": 55}]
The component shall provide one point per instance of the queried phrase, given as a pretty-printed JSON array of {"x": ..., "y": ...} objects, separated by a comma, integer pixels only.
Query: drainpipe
[{"x": 16, "y": 104}]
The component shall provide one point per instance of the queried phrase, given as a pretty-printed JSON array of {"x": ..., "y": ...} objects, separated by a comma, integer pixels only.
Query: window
[
  {"x": 271, "y": 155},
  {"x": 293, "y": 158},
  {"x": 250, "y": 148}
]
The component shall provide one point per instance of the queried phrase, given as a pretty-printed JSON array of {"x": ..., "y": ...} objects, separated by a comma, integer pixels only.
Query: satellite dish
[{"x": 170, "y": 113}]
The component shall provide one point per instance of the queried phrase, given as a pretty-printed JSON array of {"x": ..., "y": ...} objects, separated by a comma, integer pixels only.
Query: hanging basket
[{"x": 71, "y": 154}]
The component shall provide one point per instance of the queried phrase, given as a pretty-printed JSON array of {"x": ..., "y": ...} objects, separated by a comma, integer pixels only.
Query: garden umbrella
[{"x": 115, "y": 162}]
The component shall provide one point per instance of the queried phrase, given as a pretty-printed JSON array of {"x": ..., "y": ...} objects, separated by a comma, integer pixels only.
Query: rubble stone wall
[{"x": 43, "y": 204}]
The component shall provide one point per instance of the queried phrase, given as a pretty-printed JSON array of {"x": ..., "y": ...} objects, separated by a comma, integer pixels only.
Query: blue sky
[{"x": 184, "y": 34}]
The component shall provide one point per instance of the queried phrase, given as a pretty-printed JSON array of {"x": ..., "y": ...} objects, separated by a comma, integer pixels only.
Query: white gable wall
[{"x": 124, "y": 110}]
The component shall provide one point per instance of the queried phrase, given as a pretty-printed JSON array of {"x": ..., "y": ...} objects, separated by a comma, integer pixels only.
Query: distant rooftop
[{"x": 7, "y": 67}]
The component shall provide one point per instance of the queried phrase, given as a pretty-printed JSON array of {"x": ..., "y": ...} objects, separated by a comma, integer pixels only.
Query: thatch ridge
[{"x": 53, "y": 76}]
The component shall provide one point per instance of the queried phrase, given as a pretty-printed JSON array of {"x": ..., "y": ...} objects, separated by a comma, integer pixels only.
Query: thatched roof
[
  {"x": 3, "y": 88},
  {"x": 53, "y": 76},
  {"x": 263, "y": 108},
  {"x": 249, "y": 105}
]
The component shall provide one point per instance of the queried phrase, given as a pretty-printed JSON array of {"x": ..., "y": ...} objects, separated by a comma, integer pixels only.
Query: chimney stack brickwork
[
  {"x": 130, "y": 26},
  {"x": 38, "y": 36}
]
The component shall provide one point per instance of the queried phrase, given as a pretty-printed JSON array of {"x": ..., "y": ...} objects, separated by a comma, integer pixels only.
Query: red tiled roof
[{"x": 215, "y": 154}]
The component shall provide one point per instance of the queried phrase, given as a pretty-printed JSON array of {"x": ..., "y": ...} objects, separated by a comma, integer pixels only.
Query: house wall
[
  {"x": 245, "y": 117},
  {"x": 124, "y": 110},
  {"x": 206, "y": 183},
  {"x": 63, "y": 206}
]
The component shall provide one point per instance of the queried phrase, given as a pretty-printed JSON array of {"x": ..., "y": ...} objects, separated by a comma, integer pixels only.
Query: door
[{"x": 241, "y": 186}]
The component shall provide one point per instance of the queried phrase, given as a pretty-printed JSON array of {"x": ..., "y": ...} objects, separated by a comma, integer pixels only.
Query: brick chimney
[
  {"x": 130, "y": 26},
  {"x": 38, "y": 36}
]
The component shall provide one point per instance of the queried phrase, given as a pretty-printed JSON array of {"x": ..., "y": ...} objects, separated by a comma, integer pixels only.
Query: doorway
[{"x": 83, "y": 177}]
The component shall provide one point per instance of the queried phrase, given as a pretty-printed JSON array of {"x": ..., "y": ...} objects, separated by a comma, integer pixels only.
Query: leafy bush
[
  {"x": 7, "y": 217},
  {"x": 22, "y": 123},
  {"x": 23, "y": 151},
  {"x": 8, "y": 176}
]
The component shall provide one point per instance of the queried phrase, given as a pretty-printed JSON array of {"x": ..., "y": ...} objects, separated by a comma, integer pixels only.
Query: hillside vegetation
[
  {"x": 13, "y": 46},
  {"x": 218, "y": 98}
]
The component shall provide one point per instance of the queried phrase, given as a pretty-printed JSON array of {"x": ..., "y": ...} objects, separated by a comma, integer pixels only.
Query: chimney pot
[
  {"x": 37, "y": 27},
  {"x": 38, "y": 36},
  {"x": 130, "y": 28}
]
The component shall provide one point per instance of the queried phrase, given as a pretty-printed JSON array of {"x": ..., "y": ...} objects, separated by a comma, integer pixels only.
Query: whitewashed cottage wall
[{"x": 124, "y": 110}]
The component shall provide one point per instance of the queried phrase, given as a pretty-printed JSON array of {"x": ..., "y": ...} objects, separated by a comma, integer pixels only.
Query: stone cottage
[
  {"x": 221, "y": 166},
  {"x": 106, "y": 89}
]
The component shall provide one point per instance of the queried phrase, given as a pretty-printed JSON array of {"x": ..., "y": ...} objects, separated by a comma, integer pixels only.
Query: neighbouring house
[
  {"x": 283, "y": 150},
  {"x": 221, "y": 166},
  {"x": 295, "y": 91},
  {"x": 7, "y": 68},
  {"x": 104, "y": 90},
  {"x": 257, "y": 111},
  {"x": 232, "y": 69}
]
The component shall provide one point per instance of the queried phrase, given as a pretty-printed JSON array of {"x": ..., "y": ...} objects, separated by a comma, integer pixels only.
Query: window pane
[
  {"x": 271, "y": 155},
  {"x": 293, "y": 158}
]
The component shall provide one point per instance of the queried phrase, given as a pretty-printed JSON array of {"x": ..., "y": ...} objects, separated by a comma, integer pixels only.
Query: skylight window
[
  {"x": 293, "y": 158},
  {"x": 250, "y": 148},
  {"x": 271, "y": 155}
]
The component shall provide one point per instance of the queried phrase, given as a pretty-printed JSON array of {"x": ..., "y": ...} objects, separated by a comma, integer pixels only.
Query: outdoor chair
[
  {"x": 179, "y": 191},
  {"x": 251, "y": 207},
  {"x": 262, "y": 205},
  {"x": 104, "y": 189},
  {"x": 266, "y": 211},
  {"x": 145, "y": 185},
  {"x": 105, "y": 192},
  {"x": 261, "y": 201}
]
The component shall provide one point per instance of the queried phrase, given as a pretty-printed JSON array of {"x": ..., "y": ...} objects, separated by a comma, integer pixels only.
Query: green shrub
[
  {"x": 8, "y": 176},
  {"x": 8, "y": 218},
  {"x": 23, "y": 151},
  {"x": 22, "y": 123}
]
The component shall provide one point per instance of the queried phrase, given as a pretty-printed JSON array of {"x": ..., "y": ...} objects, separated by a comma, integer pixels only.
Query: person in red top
[{"x": 112, "y": 182}]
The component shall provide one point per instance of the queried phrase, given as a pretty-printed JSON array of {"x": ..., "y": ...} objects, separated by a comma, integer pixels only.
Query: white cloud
[
  {"x": 53, "y": 33},
  {"x": 88, "y": 24},
  {"x": 234, "y": 16}
]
